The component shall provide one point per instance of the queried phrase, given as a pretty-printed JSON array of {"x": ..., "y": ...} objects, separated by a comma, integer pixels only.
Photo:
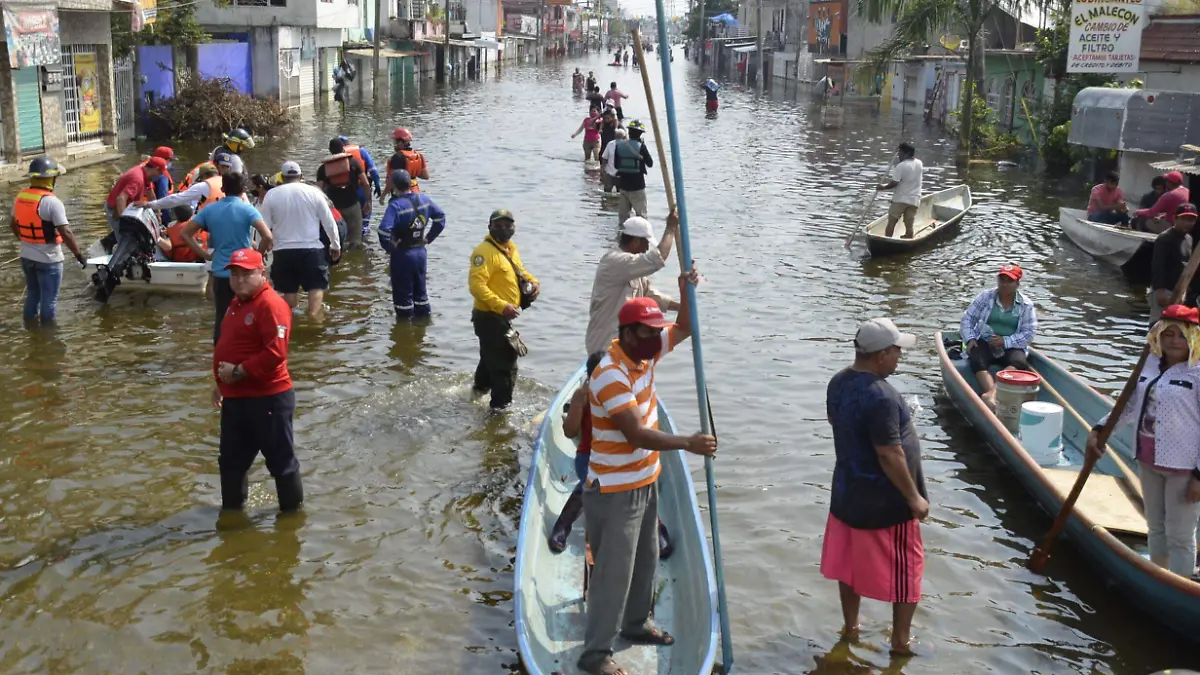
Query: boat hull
[
  {"x": 165, "y": 277},
  {"x": 1172, "y": 599},
  {"x": 938, "y": 218},
  {"x": 550, "y": 613},
  {"x": 1129, "y": 249}
]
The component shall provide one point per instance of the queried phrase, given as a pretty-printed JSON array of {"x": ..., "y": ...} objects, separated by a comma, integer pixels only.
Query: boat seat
[{"x": 1103, "y": 501}]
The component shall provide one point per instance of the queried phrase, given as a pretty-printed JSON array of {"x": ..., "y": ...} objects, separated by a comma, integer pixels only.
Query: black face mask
[{"x": 501, "y": 236}]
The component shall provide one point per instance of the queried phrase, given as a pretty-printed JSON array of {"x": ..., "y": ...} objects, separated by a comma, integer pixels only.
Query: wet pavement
[{"x": 110, "y": 560}]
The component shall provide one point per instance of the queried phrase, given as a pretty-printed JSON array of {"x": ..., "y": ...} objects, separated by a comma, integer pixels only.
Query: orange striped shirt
[{"x": 616, "y": 385}]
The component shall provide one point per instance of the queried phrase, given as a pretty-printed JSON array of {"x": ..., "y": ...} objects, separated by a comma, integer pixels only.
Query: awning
[
  {"x": 747, "y": 48},
  {"x": 1184, "y": 163},
  {"x": 384, "y": 53},
  {"x": 487, "y": 44}
]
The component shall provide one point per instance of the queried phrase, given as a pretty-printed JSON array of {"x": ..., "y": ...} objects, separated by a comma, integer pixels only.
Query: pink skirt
[{"x": 884, "y": 564}]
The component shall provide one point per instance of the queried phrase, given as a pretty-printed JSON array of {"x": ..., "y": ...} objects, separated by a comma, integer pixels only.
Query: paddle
[
  {"x": 1041, "y": 554},
  {"x": 685, "y": 256},
  {"x": 867, "y": 207}
]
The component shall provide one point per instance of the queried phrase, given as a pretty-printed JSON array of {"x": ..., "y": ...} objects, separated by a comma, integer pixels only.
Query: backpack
[{"x": 337, "y": 170}]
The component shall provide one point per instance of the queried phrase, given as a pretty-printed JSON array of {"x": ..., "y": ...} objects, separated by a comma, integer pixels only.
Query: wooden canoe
[
  {"x": 1107, "y": 527},
  {"x": 938, "y": 217},
  {"x": 549, "y": 608}
]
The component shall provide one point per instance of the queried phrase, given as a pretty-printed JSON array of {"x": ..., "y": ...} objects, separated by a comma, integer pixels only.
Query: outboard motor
[{"x": 137, "y": 234}]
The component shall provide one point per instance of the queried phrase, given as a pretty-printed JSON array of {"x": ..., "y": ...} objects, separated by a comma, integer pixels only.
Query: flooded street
[{"x": 110, "y": 561}]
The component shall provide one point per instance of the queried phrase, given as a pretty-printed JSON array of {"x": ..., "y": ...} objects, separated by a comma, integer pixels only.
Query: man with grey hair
[
  {"x": 872, "y": 544},
  {"x": 297, "y": 213}
]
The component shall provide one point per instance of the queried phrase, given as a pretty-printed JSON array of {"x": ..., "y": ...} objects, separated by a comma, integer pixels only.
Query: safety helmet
[
  {"x": 44, "y": 167},
  {"x": 636, "y": 124},
  {"x": 402, "y": 134},
  {"x": 239, "y": 139},
  {"x": 401, "y": 179}
]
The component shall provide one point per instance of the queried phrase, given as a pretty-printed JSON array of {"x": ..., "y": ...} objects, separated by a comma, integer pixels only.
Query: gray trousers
[
  {"x": 1170, "y": 519},
  {"x": 632, "y": 200},
  {"x": 622, "y": 528},
  {"x": 353, "y": 216}
]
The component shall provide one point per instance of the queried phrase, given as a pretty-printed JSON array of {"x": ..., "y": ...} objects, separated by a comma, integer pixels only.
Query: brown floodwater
[{"x": 110, "y": 560}]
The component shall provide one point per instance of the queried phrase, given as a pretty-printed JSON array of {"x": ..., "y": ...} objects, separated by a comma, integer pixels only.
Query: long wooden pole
[
  {"x": 1041, "y": 554},
  {"x": 658, "y": 138},
  {"x": 685, "y": 252}
]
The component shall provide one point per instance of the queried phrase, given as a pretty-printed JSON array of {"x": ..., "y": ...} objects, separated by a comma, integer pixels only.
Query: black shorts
[
  {"x": 981, "y": 358},
  {"x": 306, "y": 268}
]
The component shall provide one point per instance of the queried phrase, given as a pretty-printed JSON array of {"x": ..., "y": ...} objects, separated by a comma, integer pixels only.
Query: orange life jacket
[
  {"x": 191, "y": 177},
  {"x": 30, "y": 226},
  {"x": 414, "y": 164},
  {"x": 215, "y": 193},
  {"x": 180, "y": 251},
  {"x": 356, "y": 152},
  {"x": 337, "y": 170}
]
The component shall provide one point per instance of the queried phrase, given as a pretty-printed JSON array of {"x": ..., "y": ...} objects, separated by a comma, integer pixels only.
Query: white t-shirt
[
  {"x": 907, "y": 175},
  {"x": 50, "y": 208},
  {"x": 609, "y": 157},
  {"x": 296, "y": 212},
  {"x": 191, "y": 197}
]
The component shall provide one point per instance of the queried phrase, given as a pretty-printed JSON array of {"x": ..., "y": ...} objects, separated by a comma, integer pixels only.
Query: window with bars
[{"x": 82, "y": 113}]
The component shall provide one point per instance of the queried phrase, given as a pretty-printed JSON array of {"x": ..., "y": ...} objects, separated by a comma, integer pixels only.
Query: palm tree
[{"x": 916, "y": 21}]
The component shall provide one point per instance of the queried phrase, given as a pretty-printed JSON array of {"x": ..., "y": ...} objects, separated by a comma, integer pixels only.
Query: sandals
[
  {"x": 653, "y": 636},
  {"x": 605, "y": 667}
]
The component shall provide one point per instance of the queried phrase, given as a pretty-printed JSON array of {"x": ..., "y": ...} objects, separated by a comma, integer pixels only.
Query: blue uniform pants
[{"x": 408, "y": 282}]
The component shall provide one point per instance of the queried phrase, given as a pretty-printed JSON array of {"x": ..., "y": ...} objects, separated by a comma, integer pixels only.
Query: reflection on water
[{"x": 111, "y": 559}]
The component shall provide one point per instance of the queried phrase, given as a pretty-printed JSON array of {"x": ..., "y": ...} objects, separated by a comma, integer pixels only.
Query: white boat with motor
[{"x": 132, "y": 264}]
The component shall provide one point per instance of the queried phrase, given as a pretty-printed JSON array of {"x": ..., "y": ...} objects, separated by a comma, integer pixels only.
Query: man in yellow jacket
[{"x": 501, "y": 288}]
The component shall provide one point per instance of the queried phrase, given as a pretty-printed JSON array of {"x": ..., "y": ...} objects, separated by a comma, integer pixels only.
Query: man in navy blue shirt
[
  {"x": 872, "y": 544},
  {"x": 410, "y": 222},
  {"x": 230, "y": 224}
]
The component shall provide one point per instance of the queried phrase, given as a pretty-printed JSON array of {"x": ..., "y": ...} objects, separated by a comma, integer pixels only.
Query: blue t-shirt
[
  {"x": 230, "y": 224},
  {"x": 866, "y": 411}
]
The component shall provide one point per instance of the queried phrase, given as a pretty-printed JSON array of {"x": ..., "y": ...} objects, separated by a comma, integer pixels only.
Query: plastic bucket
[
  {"x": 1014, "y": 387},
  {"x": 1041, "y": 432}
]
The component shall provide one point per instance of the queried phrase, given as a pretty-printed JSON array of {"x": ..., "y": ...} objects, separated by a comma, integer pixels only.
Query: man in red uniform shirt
[
  {"x": 254, "y": 390},
  {"x": 131, "y": 187}
]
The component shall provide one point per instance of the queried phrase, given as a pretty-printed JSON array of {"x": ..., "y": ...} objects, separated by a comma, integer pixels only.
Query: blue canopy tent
[{"x": 726, "y": 18}]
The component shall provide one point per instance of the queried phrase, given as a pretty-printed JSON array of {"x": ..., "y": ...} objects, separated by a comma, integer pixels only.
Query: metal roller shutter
[
  {"x": 29, "y": 108},
  {"x": 308, "y": 80}
]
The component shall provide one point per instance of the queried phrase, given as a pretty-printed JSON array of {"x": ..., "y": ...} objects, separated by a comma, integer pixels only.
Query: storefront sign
[
  {"x": 88, "y": 87},
  {"x": 52, "y": 78},
  {"x": 522, "y": 23},
  {"x": 32, "y": 34},
  {"x": 1106, "y": 36}
]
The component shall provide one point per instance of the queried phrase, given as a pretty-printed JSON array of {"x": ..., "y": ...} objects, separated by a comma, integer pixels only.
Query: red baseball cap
[
  {"x": 1182, "y": 313},
  {"x": 164, "y": 152},
  {"x": 1011, "y": 271},
  {"x": 247, "y": 259},
  {"x": 1173, "y": 177},
  {"x": 158, "y": 163},
  {"x": 643, "y": 311},
  {"x": 1185, "y": 210}
]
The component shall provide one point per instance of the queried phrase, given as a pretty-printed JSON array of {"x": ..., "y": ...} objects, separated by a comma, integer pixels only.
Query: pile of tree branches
[{"x": 207, "y": 108}]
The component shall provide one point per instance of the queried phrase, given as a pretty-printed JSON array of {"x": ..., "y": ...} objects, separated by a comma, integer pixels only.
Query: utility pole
[
  {"x": 541, "y": 30},
  {"x": 376, "y": 72},
  {"x": 446, "y": 44},
  {"x": 703, "y": 32},
  {"x": 758, "y": 31}
]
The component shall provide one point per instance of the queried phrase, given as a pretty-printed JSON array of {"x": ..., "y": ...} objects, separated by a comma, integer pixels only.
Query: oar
[
  {"x": 1131, "y": 483},
  {"x": 685, "y": 251},
  {"x": 1041, "y": 554}
]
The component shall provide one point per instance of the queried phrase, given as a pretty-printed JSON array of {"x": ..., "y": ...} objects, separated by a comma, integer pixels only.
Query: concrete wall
[
  {"x": 1136, "y": 173},
  {"x": 297, "y": 12},
  {"x": 862, "y": 36},
  {"x": 1183, "y": 76},
  {"x": 264, "y": 61},
  {"x": 481, "y": 15},
  {"x": 84, "y": 28},
  {"x": 8, "y": 108},
  {"x": 340, "y": 14}
]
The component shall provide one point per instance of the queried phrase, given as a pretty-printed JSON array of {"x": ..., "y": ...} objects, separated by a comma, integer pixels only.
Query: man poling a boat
[
  {"x": 253, "y": 387},
  {"x": 231, "y": 224},
  {"x": 872, "y": 545},
  {"x": 620, "y": 498},
  {"x": 411, "y": 222},
  {"x": 297, "y": 214},
  {"x": 906, "y": 183},
  {"x": 632, "y": 159},
  {"x": 997, "y": 328},
  {"x": 1164, "y": 209},
  {"x": 501, "y": 288},
  {"x": 1166, "y": 410},
  {"x": 1172, "y": 250},
  {"x": 39, "y": 220}
]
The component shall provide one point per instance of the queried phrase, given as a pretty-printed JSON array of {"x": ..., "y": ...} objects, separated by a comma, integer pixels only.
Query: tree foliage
[
  {"x": 176, "y": 25},
  {"x": 711, "y": 8}
]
